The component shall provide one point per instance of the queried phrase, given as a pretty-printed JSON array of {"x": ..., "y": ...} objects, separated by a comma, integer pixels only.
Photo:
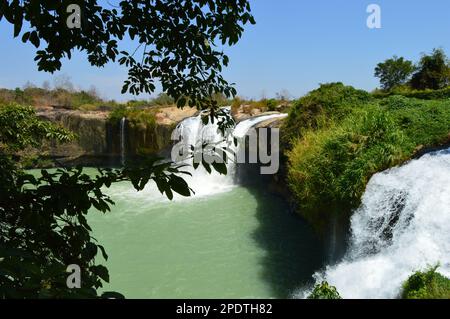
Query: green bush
[
  {"x": 426, "y": 285},
  {"x": 425, "y": 123},
  {"x": 271, "y": 104},
  {"x": 322, "y": 106},
  {"x": 324, "y": 291},
  {"x": 118, "y": 113},
  {"x": 136, "y": 117}
]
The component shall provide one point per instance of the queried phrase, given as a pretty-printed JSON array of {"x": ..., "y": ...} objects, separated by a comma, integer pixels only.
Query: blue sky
[{"x": 295, "y": 45}]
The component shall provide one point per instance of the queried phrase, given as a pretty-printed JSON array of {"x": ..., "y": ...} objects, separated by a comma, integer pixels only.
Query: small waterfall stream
[{"x": 402, "y": 225}]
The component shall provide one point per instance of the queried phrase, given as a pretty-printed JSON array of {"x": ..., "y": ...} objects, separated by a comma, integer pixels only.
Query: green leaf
[
  {"x": 100, "y": 271},
  {"x": 25, "y": 37},
  {"x": 104, "y": 254},
  {"x": 34, "y": 39},
  {"x": 181, "y": 102},
  {"x": 90, "y": 251},
  {"x": 180, "y": 186},
  {"x": 220, "y": 168}
]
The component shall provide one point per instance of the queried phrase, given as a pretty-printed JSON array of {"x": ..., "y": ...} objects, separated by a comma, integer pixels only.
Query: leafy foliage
[
  {"x": 426, "y": 285},
  {"x": 433, "y": 72},
  {"x": 44, "y": 229},
  {"x": 176, "y": 40},
  {"x": 393, "y": 72},
  {"x": 43, "y": 224},
  {"x": 324, "y": 291},
  {"x": 20, "y": 127},
  {"x": 321, "y": 106},
  {"x": 135, "y": 116}
]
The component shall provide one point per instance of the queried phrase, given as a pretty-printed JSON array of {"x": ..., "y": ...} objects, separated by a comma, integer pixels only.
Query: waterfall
[
  {"x": 402, "y": 225},
  {"x": 242, "y": 127},
  {"x": 194, "y": 132},
  {"x": 123, "y": 122}
]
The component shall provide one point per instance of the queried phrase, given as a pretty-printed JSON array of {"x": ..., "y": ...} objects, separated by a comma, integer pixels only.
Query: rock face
[
  {"x": 91, "y": 129},
  {"x": 98, "y": 137},
  {"x": 151, "y": 139},
  {"x": 100, "y": 141}
]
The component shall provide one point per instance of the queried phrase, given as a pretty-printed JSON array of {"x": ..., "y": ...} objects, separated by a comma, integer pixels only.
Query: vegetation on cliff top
[
  {"x": 64, "y": 95},
  {"x": 339, "y": 137}
]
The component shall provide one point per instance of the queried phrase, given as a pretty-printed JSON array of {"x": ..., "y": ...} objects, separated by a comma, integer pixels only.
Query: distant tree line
[{"x": 432, "y": 72}]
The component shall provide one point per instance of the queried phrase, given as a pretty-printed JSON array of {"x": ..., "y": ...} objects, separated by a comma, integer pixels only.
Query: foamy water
[{"x": 403, "y": 225}]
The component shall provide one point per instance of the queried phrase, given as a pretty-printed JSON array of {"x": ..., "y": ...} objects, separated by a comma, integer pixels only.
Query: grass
[
  {"x": 405, "y": 91},
  {"x": 321, "y": 107},
  {"x": 340, "y": 137}
]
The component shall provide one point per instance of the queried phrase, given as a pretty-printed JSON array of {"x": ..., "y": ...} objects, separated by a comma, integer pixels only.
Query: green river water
[{"x": 235, "y": 242}]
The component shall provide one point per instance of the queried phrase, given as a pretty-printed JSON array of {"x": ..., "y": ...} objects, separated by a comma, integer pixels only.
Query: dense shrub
[
  {"x": 318, "y": 108},
  {"x": 263, "y": 105},
  {"x": 425, "y": 123},
  {"x": 271, "y": 104},
  {"x": 324, "y": 291},
  {"x": 433, "y": 71},
  {"x": 426, "y": 285},
  {"x": 135, "y": 116},
  {"x": 163, "y": 99}
]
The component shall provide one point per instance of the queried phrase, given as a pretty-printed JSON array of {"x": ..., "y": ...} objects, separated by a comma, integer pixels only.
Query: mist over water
[{"x": 402, "y": 225}]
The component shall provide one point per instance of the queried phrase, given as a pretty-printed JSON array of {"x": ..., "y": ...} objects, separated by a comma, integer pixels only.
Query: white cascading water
[
  {"x": 242, "y": 127},
  {"x": 194, "y": 132},
  {"x": 402, "y": 226}
]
